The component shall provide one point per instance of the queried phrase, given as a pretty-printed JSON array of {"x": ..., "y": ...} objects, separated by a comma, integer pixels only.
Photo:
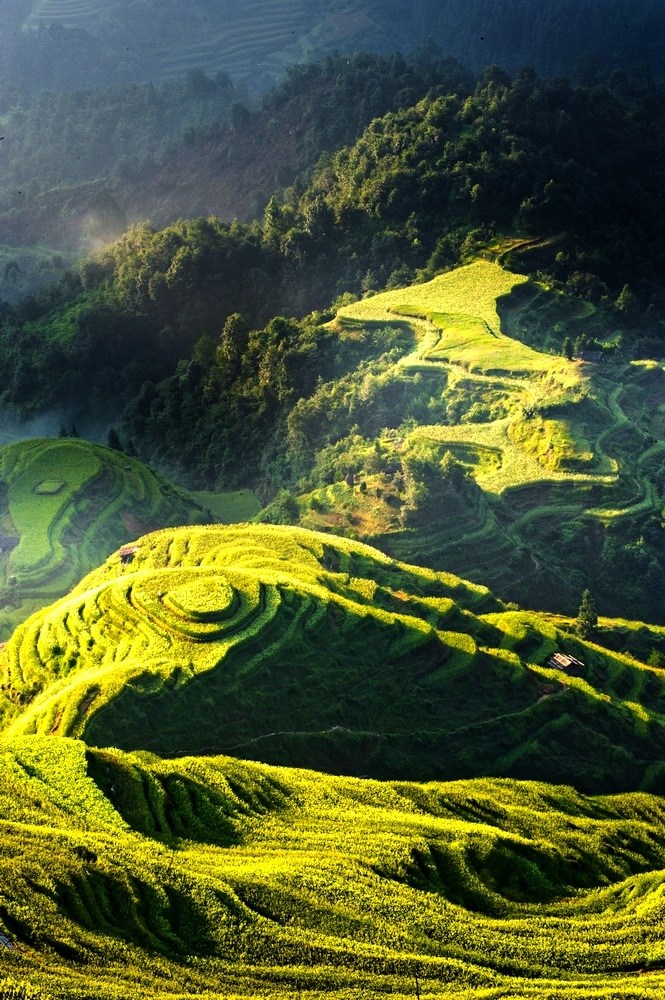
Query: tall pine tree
[{"x": 587, "y": 616}]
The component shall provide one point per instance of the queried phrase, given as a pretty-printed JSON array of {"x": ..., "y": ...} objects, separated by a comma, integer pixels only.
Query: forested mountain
[
  {"x": 58, "y": 44},
  {"x": 294, "y": 647},
  {"x": 139, "y": 151},
  {"x": 67, "y": 138},
  {"x": 189, "y": 326},
  {"x": 64, "y": 155},
  {"x": 417, "y": 189},
  {"x": 231, "y": 172}
]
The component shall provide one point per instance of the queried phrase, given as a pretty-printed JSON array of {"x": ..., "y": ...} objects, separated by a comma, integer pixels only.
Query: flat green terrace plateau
[
  {"x": 297, "y": 648},
  {"x": 459, "y": 332}
]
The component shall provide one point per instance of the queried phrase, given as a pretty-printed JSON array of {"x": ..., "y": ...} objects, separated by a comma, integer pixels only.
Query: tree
[
  {"x": 567, "y": 349},
  {"x": 113, "y": 440},
  {"x": 587, "y": 616},
  {"x": 626, "y": 303}
]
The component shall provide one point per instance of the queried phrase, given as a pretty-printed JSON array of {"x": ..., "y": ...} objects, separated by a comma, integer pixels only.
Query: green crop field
[
  {"x": 66, "y": 504},
  {"x": 290, "y": 647},
  {"x": 470, "y": 291},
  {"x": 127, "y": 876},
  {"x": 232, "y": 507},
  {"x": 582, "y": 442}
]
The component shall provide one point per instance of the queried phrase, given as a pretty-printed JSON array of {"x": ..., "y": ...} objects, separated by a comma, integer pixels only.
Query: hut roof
[{"x": 564, "y": 661}]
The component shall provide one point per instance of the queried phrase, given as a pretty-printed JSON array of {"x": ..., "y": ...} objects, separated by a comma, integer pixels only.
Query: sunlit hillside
[
  {"x": 65, "y": 504},
  {"x": 125, "y": 876},
  {"x": 559, "y": 454},
  {"x": 296, "y": 648}
]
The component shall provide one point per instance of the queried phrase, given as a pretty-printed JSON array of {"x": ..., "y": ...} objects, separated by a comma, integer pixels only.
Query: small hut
[
  {"x": 127, "y": 553},
  {"x": 563, "y": 661}
]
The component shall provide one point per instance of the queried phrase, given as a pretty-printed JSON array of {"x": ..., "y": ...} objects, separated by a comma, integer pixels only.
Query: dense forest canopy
[
  {"x": 411, "y": 195},
  {"x": 140, "y": 151}
]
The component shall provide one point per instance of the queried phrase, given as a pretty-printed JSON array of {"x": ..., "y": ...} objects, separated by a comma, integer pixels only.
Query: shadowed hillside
[{"x": 73, "y": 42}]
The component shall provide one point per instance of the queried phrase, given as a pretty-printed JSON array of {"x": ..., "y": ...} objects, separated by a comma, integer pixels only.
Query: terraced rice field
[
  {"x": 71, "y": 13},
  {"x": 124, "y": 875},
  {"x": 294, "y": 648},
  {"x": 255, "y": 41},
  {"x": 589, "y": 436},
  {"x": 269, "y": 882},
  {"x": 65, "y": 505}
]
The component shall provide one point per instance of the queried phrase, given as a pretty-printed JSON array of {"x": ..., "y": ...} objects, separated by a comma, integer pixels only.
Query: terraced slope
[
  {"x": 64, "y": 506},
  {"x": 71, "y": 13},
  {"x": 123, "y": 875},
  {"x": 290, "y": 647},
  {"x": 254, "y": 41},
  {"x": 550, "y": 442}
]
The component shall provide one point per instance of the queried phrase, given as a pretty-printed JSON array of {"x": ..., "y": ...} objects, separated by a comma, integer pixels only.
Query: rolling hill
[
  {"x": 124, "y": 875},
  {"x": 65, "y": 504},
  {"x": 296, "y": 648}
]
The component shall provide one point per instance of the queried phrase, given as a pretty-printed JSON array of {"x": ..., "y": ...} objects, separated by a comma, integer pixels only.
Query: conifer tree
[{"x": 587, "y": 616}]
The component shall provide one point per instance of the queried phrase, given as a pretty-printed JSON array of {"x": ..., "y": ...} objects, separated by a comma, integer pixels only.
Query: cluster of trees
[
  {"x": 117, "y": 134},
  {"x": 419, "y": 189},
  {"x": 340, "y": 95},
  {"x": 519, "y": 154},
  {"x": 247, "y": 408},
  {"x": 79, "y": 165},
  {"x": 622, "y": 564}
]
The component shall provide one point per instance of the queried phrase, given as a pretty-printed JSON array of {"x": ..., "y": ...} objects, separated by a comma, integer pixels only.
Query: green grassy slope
[
  {"x": 290, "y": 647},
  {"x": 555, "y": 446},
  {"x": 231, "y": 507},
  {"x": 122, "y": 875},
  {"x": 65, "y": 504}
]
